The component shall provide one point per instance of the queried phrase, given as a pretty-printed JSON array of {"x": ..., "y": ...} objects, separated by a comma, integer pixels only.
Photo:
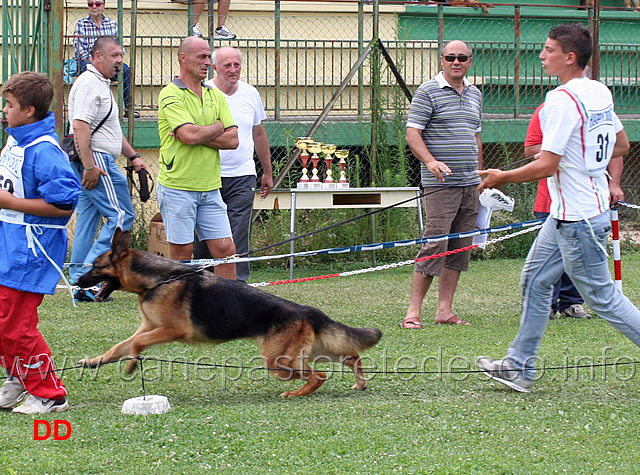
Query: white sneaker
[
  {"x": 196, "y": 30},
  {"x": 11, "y": 393},
  {"x": 37, "y": 405},
  {"x": 496, "y": 199},
  {"x": 223, "y": 33},
  {"x": 502, "y": 371}
]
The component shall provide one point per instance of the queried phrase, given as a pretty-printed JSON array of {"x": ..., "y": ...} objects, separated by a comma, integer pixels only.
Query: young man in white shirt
[{"x": 580, "y": 135}]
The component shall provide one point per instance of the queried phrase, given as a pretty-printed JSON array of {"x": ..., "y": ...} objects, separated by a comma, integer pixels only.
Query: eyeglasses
[
  {"x": 450, "y": 58},
  {"x": 97, "y": 4}
]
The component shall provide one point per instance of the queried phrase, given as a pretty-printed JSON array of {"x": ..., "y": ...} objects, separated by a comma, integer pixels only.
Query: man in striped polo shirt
[{"x": 443, "y": 132}]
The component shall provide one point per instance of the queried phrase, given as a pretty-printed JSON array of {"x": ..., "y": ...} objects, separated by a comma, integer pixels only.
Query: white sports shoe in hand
[{"x": 496, "y": 199}]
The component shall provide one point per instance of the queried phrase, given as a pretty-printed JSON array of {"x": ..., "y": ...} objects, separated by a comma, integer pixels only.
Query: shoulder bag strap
[
  {"x": 99, "y": 125},
  {"x": 103, "y": 120}
]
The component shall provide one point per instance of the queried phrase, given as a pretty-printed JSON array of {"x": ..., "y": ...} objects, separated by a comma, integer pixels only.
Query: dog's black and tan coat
[{"x": 181, "y": 303}]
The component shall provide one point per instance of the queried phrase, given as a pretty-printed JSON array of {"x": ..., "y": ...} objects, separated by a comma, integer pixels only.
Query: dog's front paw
[
  {"x": 90, "y": 362},
  {"x": 131, "y": 365},
  {"x": 288, "y": 394}
]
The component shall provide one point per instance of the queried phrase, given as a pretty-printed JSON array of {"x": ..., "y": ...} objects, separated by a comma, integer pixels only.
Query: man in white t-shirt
[
  {"x": 581, "y": 133},
  {"x": 238, "y": 166},
  {"x": 105, "y": 188}
]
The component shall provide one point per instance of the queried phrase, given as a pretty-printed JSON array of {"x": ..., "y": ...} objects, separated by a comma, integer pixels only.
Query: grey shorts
[
  {"x": 449, "y": 210},
  {"x": 185, "y": 211}
]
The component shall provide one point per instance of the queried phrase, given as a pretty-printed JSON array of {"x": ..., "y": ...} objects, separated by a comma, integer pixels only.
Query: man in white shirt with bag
[{"x": 95, "y": 124}]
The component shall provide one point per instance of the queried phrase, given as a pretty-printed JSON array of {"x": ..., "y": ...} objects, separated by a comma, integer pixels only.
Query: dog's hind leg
[
  {"x": 355, "y": 364},
  {"x": 288, "y": 368},
  {"x": 286, "y": 354},
  {"x": 314, "y": 379}
]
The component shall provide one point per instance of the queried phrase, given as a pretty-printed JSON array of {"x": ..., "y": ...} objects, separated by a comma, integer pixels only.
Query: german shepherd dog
[{"x": 180, "y": 302}]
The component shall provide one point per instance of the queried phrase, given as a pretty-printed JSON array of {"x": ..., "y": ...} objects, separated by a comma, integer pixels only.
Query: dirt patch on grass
[{"x": 629, "y": 234}]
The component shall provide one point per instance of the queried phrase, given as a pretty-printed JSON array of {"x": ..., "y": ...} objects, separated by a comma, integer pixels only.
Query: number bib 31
[{"x": 598, "y": 134}]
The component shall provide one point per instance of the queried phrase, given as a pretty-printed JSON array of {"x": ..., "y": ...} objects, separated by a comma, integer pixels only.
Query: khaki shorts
[{"x": 449, "y": 210}]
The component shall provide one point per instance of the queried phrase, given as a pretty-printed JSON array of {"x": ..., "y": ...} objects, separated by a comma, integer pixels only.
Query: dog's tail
[{"x": 339, "y": 339}]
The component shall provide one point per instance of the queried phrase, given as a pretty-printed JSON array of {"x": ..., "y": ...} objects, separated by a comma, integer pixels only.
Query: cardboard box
[{"x": 158, "y": 244}]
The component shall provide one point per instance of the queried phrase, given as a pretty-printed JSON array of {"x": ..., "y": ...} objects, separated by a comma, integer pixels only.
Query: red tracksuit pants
[{"x": 23, "y": 351}]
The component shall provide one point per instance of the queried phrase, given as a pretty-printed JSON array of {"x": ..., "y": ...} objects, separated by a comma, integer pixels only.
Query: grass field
[{"x": 429, "y": 419}]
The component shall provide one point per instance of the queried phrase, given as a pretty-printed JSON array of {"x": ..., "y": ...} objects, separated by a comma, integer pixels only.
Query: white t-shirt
[
  {"x": 579, "y": 124},
  {"x": 247, "y": 111},
  {"x": 90, "y": 99}
]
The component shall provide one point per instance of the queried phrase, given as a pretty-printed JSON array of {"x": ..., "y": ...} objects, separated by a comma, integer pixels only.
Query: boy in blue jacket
[{"x": 38, "y": 193}]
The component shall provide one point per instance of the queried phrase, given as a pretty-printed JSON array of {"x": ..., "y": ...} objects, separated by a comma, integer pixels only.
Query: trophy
[
  {"x": 328, "y": 149},
  {"x": 301, "y": 143},
  {"x": 315, "y": 148},
  {"x": 342, "y": 154}
]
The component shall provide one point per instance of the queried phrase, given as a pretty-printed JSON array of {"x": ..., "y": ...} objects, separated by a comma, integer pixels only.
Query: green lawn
[{"x": 431, "y": 421}]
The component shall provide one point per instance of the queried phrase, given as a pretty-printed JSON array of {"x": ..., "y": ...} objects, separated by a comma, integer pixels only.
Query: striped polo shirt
[{"x": 449, "y": 122}]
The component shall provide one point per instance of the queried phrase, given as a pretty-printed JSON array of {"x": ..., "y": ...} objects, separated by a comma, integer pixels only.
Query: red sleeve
[{"x": 534, "y": 132}]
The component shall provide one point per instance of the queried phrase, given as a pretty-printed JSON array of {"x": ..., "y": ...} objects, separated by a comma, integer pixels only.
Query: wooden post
[
  {"x": 595, "y": 32},
  {"x": 55, "y": 59}
]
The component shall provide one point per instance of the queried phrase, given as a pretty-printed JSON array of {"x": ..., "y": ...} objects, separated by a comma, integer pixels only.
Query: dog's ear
[{"x": 120, "y": 243}]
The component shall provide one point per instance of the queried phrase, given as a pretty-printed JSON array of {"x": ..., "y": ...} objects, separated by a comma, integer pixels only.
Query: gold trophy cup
[{"x": 315, "y": 148}]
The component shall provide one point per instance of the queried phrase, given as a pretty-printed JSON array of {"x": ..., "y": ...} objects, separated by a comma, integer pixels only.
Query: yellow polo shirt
[{"x": 182, "y": 166}]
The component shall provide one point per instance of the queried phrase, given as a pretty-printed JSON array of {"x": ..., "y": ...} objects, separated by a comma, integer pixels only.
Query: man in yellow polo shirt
[{"x": 194, "y": 122}]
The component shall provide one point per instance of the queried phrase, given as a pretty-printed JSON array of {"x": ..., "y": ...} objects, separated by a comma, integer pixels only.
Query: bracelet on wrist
[
  {"x": 137, "y": 155},
  {"x": 90, "y": 168}
]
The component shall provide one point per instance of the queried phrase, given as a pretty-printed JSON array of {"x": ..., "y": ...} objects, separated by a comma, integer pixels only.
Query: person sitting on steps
[{"x": 221, "y": 32}]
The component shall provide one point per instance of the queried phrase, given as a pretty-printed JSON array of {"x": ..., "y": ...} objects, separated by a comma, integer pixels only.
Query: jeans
[
  {"x": 568, "y": 247},
  {"x": 565, "y": 293},
  {"x": 82, "y": 67}
]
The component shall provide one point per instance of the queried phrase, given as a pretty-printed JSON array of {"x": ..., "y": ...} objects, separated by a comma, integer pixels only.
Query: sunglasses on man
[
  {"x": 97, "y": 4},
  {"x": 450, "y": 58}
]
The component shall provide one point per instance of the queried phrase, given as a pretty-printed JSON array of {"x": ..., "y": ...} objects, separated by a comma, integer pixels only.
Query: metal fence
[
  {"x": 299, "y": 54},
  {"x": 297, "y": 59},
  {"x": 305, "y": 56}
]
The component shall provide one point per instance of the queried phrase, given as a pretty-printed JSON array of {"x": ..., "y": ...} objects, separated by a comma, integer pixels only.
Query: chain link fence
[{"x": 312, "y": 66}]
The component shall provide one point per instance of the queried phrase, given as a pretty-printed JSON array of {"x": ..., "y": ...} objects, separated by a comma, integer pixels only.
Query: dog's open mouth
[{"x": 107, "y": 288}]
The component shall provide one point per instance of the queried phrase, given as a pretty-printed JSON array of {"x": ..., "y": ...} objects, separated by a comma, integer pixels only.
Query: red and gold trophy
[
  {"x": 301, "y": 143},
  {"x": 315, "y": 148},
  {"x": 341, "y": 154},
  {"x": 328, "y": 149}
]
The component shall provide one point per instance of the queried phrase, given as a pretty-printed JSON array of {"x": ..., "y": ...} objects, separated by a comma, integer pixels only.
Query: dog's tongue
[{"x": 100, "y": 295}]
